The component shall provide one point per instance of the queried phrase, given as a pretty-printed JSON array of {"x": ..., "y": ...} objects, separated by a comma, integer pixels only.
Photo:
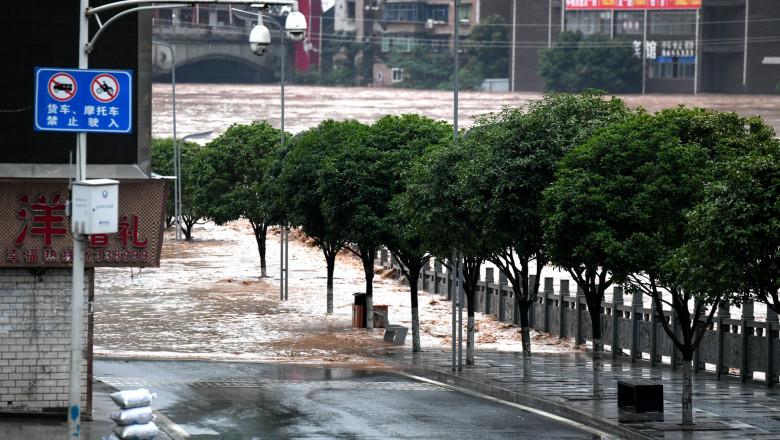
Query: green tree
[
  {"x": 423, "y": 69},
  {"x": 618, "y": 215},
  {"x": 355, "y": 196},
  {"x": 230, "y": 178},
  {"x": 404, "y": 140},
  {"x": 505, "y": 179},
  {"x": 301, "y": 190},
  {"x": 435, "y": 204},
  {"x": 735, "y": 244},
  {"x": 576, "y": 63},
  {"x": 487, "y": 48},
  {"x": 162, "y": 163}
]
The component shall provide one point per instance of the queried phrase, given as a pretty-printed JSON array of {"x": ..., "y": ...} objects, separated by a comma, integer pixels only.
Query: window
[
  {"x": 350, "y": 10},
  {"x": 398, "y": 74},
  {"x": 403, "y": 12},
  {"x": 465, "y": 13},
  {"x": 629, "y": 22},
  {"x": 437, "y": 13},
  {"x": 397, "y": 43},
  {"x": 589, "y": 22},
  {"x": 672, "y": 68},
  {"x": 438, "y": 43},
  {"x": 379, "y": 76},
  {"x": 671, "y": 22}
]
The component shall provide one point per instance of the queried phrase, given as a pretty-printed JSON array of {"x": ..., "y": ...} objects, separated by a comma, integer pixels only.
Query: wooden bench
[
  {"x": 641, "y": 394},
  {"x": 393, "y": 333}
]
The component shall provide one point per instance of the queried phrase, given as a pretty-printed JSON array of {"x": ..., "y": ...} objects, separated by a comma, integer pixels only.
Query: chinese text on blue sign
[{"x": 83, "y": 100}]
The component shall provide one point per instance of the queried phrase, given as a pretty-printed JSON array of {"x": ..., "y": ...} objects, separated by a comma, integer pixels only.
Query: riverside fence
[{"x": 739, "y": 346}]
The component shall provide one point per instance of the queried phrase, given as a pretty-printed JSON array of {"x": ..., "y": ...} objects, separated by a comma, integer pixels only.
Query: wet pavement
[{"x": 725, "y": 409}]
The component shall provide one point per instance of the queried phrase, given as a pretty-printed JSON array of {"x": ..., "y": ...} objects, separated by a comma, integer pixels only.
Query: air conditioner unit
[{"x": 429, "y": 24}]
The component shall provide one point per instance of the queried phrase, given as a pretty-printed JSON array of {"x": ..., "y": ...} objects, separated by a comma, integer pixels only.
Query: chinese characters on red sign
[
  {"x": 633, "y": 4},
  {"x": 43, "y": 220}
]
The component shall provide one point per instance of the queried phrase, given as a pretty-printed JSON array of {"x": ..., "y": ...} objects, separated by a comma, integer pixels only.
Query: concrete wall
[{"x": 35, "y": 340}]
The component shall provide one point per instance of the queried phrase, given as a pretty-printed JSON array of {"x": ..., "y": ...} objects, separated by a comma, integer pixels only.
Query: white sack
[
  {"x": 137, "y": 432},
  {"x": 133, "y": 398},
  {"x": 133, "y": 416}
]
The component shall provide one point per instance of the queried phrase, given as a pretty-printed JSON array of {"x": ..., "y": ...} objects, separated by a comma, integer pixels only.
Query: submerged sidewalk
[{"x": 562, "y": 384}]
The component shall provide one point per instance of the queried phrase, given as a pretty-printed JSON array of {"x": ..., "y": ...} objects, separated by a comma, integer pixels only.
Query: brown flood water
[{"x": 207, "y": 299}]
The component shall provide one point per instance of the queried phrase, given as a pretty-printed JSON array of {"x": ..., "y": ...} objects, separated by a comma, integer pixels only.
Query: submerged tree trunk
[
  {"x": 330, "y": 259},
  {"x": 260, "y": 229},
  {"x": 368, "y": 257}
]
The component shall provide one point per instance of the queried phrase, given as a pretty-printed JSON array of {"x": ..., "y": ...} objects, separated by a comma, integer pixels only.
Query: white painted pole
[{"x": 77, "y": 283}]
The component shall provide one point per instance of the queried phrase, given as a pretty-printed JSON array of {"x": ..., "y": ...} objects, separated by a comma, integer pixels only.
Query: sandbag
[
  {"x": 133, "y": 416},
  {"x": 133, "y": 398},
  {"x": 147, "y": 431}
]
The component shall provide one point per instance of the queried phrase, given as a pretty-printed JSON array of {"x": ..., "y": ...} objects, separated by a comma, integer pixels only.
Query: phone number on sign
[{"x": 124, "y": 255}]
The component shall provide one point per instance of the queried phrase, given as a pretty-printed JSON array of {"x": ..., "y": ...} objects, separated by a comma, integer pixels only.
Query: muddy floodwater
[
  {"x": 215, "y": 107},
  {"x": 208, "y": 299}
]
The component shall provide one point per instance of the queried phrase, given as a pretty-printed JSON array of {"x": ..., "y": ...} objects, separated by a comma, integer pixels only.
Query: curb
[{"x": 555, "y": 408}]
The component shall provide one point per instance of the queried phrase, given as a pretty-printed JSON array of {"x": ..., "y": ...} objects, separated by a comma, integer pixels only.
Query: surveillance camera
[
  {"x": 259, "y": 40},
  {"x": 295, "y": 25}
]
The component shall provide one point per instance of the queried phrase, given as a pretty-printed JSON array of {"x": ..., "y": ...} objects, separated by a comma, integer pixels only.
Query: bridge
[{"x": 215, "y": 53}]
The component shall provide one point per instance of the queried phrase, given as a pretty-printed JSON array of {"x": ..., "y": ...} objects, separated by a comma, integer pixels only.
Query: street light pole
[
  {"x": 176, "y": 151},
  {"x": 85, "y": 46}
]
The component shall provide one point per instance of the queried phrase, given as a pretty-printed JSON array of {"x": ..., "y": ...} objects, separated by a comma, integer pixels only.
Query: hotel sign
[
  {"x": 35, "y": 231},
  {"x": 632, "y": 4}
]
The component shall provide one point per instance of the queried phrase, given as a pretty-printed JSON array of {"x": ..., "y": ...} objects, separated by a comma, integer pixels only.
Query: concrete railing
[{"x": 731, "y": 346}]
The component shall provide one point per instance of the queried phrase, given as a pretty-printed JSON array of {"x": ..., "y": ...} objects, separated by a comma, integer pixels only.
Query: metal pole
[
  {"x": 514, "y": 40},
  {"x": 455, "y": 142},
  {"x": 460, "y": 311},
  {"x": 286, "y": 261},
  {"x": 745, "y": 50},
  {"x": 696, "y": 57},
  {"x": 453, "y": 275},
  {"x": 644, "y": 52},
  {"x": 176, "y": 146},
  {"x": 77, "y": 286}
]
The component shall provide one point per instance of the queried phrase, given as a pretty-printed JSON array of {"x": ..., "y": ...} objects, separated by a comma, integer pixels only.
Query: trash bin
[{"x": 359, "y": 310}]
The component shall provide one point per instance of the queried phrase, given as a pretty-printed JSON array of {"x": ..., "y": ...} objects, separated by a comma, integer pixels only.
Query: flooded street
[{"x": 207, "y": 299}]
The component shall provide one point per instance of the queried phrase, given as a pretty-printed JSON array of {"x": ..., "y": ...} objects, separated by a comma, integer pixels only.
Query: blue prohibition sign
[{"x": 83, "y": 100}]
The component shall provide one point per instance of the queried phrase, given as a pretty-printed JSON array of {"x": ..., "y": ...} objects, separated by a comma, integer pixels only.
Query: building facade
[
  {"x": 687, "y": 46},
  {"x": 36, "y": 243}
]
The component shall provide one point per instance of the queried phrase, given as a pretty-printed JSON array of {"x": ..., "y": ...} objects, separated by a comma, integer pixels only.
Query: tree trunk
[
  {"x": 598, "y": 367},
  {"x": 260, "y": 229},
  {"x": 687, "y": 393},
  {"x": 368, "y": 269},
  {"x": 525, "y": 331},
  {"x": 330, "y": 258},
  {"x": 416, "y": 346},
  {"x": 470, "y": 340}
]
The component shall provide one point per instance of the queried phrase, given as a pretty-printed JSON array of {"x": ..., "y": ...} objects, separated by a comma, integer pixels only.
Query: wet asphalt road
[{"x": 242, "y": 401}]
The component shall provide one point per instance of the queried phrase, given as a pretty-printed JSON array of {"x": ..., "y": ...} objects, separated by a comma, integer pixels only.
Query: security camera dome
[
  {"x": 295, "y": 26},
  {"x": 259, "y": 40}
]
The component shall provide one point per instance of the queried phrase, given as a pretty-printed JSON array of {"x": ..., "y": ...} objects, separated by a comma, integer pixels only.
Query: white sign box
[{"x": 95, "y": 206}]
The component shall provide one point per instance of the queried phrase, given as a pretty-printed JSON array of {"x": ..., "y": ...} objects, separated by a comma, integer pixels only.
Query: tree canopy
[
  {"x": 577, "y": 62},
  {"x": 230, "y": 178}
]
